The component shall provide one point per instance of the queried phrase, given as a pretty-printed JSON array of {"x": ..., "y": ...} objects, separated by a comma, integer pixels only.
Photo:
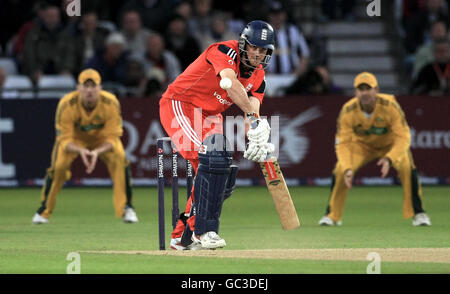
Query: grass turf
[{"x": 84, "y": 221}]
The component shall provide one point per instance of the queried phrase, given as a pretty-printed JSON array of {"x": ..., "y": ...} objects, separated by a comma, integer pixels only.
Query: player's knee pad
[
  {"x": 213, "y": 172},
  {"x": 215, "y": 153}
]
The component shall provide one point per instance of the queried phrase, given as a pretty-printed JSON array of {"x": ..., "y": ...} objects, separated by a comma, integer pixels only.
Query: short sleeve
[
  {"x": 258, "y": 93},
  {"x": 222, "y": 57}
]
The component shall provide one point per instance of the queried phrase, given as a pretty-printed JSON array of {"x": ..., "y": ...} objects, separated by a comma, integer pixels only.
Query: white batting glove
[
  {"x": 260, "y": 134},
  {"x": 258, "y": 152}
]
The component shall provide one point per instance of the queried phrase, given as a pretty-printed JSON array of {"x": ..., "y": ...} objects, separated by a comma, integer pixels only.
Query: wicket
[{"x": 161, "y": 184}]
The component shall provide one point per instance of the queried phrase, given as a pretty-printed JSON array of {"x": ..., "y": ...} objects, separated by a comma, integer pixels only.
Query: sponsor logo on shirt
[
  {"x": 222, "y": 100},
  {"x": 203, "y": 149},
  {"x": 90, "y": 127}
]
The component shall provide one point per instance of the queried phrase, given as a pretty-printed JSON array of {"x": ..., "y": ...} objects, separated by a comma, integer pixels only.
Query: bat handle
[{"x": 270, "y": 157}]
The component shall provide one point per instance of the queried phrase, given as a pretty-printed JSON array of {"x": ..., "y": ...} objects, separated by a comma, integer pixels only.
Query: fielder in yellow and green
[
  {"x": 373, "y": 126},
  {"x": 88, "y": 124}
]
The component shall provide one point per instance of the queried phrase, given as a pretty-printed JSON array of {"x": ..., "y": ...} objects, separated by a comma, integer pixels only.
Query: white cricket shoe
[
  {"x": 421, "y": 219},
  {"x": 209, "y": 240},
  {"x": 326, "y": 221},
  {"x": 39, "y": 219},
  {"x": 197, "y": 246},
  {"x": 129, "y": 216},
  {"x": 175, "y": 244}
]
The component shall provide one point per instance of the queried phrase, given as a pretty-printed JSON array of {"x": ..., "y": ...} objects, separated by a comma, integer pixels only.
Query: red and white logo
[
  {"x": 202, "y": 149},
  {"x": 222, "y": 100}
]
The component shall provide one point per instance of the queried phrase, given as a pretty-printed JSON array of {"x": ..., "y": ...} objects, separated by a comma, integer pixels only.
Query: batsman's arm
[
  {"x": 237, "y": 92},
  {"x": 256, "y": 105}
]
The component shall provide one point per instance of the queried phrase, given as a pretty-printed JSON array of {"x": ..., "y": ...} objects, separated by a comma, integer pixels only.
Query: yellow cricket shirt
[
  {"x": 386, "y": 128},
  {"x": 103, "y": 124}
]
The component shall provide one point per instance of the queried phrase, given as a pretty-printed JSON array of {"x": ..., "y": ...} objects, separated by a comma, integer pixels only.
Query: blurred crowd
[
  {"x": 140, "y": 46},
  {"x": 424, "y": 27}
]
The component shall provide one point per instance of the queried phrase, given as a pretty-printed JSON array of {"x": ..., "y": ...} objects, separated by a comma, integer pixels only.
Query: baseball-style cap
[
  {"x": 89, "y": 74},
  {"x": 365, "y": 78},
  {"x": 115, "y": 38}
]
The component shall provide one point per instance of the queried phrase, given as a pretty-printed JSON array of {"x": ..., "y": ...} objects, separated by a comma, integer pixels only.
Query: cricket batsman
[
  {"x": 88, "y": 124},
  {"x": 373, "y": 126},
  {"x": 226, "y": 73}
]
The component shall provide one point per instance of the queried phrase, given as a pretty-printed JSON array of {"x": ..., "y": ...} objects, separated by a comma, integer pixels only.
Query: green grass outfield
[{"x": 83, "y": 221}]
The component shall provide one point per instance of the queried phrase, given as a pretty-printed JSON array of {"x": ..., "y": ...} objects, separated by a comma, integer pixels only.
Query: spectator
[
  {"x": 161, "y": 67},
  {"x": 88, "y": 39},
  {"x": 18, "y": 41},
  {"x": 424, "y": 54},
  {"x": 338, "y": 9},
  {"x": 184, "y": 8},
  {"x": 218, "y": 31},
  {"x": 13, "y": 14},
  {"x": 106, "y": 10},
  {"x": 241, "y": 12},
  {"x": 135, "y": 35},
  {"x": 48, "y": 49},
  {"x": 69, "y": 20},
  {"x": 292, "y": 53},
  {"x": 417, "y": 27},
  {"x": 434, "y": 78},
  {"x": 316, "y": 81},
  {"x": 135, "y": 80},
  {"x": 154, "y": 13},
  {"x": 200, "y": 22},
  {"x": 110, "y": 62},
  {"x": 409, "y": 8},
  {"x": 180, "y": 42}
]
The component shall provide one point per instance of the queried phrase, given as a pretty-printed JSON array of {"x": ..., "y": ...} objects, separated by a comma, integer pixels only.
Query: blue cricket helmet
[{"x": 257, "y": 33}]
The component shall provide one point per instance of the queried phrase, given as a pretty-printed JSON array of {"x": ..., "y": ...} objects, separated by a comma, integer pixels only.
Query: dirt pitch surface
[{"x": 434, "y": 255}]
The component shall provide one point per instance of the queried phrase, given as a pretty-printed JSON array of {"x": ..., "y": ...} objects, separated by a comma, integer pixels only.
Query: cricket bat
[{"x": 280, "y": 194}]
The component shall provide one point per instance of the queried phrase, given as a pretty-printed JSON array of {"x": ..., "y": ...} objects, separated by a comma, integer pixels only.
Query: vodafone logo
[{"x": 222, "y": 100}]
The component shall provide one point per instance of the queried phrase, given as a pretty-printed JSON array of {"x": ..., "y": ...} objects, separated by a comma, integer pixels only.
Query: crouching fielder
[
  {"x": 226, "y": 73},
  {"x": 373, "y": 126},
  {"x": 88, "y": 124}
]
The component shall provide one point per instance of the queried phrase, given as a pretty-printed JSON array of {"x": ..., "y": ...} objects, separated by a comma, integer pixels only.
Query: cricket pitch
[{"x": 433, "y": 255}]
